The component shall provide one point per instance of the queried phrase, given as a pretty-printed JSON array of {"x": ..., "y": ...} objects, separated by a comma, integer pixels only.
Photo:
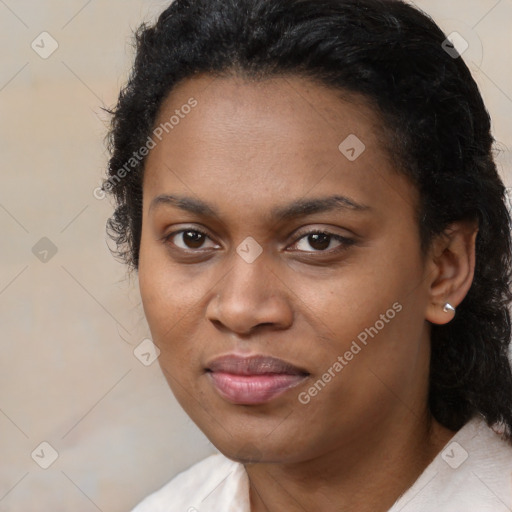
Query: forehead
[
  {"x": 285, "y": 135},
  {"x": 284, "y": 107}
]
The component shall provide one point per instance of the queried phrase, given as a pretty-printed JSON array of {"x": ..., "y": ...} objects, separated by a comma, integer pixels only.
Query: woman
[{"x": 307, "y": 191}]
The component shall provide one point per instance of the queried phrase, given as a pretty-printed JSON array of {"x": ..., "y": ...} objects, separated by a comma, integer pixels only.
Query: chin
[{"x": 248, "y": 451}]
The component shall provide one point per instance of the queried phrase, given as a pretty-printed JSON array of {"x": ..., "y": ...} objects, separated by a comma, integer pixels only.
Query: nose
[{"x": 250, "y": 295}]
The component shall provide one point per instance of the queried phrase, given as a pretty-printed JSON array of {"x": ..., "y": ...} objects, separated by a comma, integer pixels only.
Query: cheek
[
  {"x": 349, "y": 301},
  {"x": 168, "y": 315},
  {"x": 372, "y": 376},
  {"x": 167, "y": 292},
  {"x": 174, "y": 301},
  {"x": 373, "y": 312},
  {"x": 164, "y": 297}
]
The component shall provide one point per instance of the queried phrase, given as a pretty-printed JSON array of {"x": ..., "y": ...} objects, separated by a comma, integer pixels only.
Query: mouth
[{"x": 253, "y": 380}]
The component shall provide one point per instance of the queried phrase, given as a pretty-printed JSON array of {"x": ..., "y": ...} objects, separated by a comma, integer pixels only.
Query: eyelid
[
  {"x": 299, "y": 235},
  {"x": 343, "y": 240},
  {"x": 166, "y": 238}
]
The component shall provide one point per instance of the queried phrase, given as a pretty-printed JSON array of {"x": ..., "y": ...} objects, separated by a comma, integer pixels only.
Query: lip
[{"x": 253, "y": 380}]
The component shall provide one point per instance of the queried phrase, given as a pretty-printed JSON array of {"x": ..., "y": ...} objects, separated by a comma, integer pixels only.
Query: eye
[
  {"x": 322, "y": 241},
  {"x": 188, "y": 239}
]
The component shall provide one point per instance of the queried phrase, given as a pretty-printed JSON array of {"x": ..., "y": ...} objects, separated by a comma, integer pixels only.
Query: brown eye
[
  {"x": 319, "y": 241},
  {"x": 193, "y": 239},
  {"x": 188, "y": 239}
]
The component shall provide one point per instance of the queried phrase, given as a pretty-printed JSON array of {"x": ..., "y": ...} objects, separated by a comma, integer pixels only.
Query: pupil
[
  {"x": 319, "y": 240},
  {"x": 193, "y": 239}
]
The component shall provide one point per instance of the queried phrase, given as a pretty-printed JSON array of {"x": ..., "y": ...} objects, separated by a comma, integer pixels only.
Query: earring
[{"x": 448, "y": 307}]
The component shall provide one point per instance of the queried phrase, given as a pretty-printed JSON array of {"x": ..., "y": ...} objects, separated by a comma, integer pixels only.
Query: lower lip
[{"x": 253, "y": 389}]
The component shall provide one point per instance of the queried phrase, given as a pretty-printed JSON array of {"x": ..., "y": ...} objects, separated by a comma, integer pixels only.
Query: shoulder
[
  {"x": 213, "y": 482},
  {"x": 473, "y": 473}
]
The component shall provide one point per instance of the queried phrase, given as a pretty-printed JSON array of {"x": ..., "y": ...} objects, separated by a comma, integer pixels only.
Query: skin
[{"x": 245, "y": 149}]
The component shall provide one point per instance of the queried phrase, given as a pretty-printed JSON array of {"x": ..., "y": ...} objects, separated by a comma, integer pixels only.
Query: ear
[{"x": 451, "y": 263}]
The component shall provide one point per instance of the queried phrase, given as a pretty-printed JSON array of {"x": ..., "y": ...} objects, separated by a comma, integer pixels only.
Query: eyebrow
[{"x": 299, "y": 208}]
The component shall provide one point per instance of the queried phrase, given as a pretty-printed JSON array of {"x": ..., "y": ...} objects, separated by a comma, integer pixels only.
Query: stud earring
[{"x": 448, "y": 307}]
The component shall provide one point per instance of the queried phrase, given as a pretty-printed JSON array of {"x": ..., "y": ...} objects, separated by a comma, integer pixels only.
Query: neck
[{"x": 366, "y": 474}]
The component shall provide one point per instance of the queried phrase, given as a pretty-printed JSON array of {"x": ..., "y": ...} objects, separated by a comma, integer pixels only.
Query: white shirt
[{"x": 473, "y": 473}]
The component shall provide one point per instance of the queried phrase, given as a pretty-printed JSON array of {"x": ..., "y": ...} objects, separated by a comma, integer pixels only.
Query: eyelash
[{"x": 344, "y": 242}]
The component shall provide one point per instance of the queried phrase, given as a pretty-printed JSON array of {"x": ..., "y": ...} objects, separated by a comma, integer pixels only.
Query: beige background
[{"x": 70, "y": 325}]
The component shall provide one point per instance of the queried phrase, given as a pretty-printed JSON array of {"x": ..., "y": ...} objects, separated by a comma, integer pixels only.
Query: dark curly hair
[{"x": 396, "y": 57}]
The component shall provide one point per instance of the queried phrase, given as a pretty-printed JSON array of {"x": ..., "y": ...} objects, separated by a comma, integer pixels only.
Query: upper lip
[{"x": 253, "y": 365}]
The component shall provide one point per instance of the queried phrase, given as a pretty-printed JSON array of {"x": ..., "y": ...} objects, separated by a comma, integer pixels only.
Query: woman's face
[{"x": 275, "y": 226}]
